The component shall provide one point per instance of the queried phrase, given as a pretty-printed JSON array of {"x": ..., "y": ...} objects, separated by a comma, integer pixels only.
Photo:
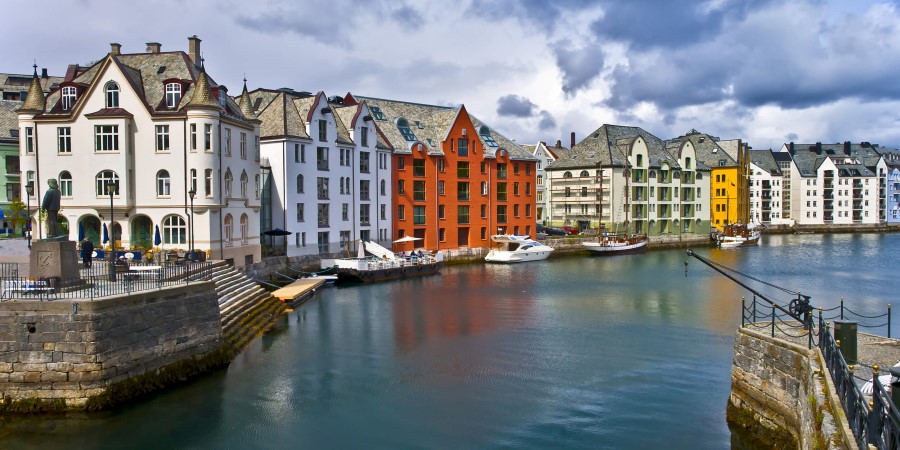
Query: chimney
[
  {"x": 847, "y": 148},
  {"x": 194, "y": 49},
  {"x": 818, "y": 148},
  {"x": 44, "y": 72},
  {"x": 115, "y": 49},
  {"x": 153, "y": 47},
  {"x": 572, "y": 140},
  {"x": 791, "y": 148},
  {"x": 558, "y": 143}
]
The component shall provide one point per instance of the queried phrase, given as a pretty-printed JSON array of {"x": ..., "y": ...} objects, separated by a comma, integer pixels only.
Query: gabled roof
[
  {"x": 851, "y": 159},
  {"x": 9, "y": 121},
  {"x": 708, "y": 150},
  {"x": 278, "y": 110},
  {"x": 608, "y": 145},
  {"x": 765, "y": 160}
]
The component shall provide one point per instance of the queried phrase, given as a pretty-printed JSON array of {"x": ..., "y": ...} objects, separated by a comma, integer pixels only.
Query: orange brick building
[{"x": 456, "y": 181}]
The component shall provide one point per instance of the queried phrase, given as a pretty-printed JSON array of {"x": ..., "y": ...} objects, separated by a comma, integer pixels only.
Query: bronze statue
[{"x": 51, "y": 206}]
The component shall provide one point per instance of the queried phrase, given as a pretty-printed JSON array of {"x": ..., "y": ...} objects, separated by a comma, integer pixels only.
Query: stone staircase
[{"x": 247, "y": 309}]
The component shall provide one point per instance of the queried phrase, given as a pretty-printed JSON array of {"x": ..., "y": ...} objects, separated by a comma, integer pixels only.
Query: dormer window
[
  {"x": 112, "y": 95},
  {"x": 173, "y": 94},
  {"x": 376, "y": 112},
  {"x": 403, "y": 126},
  {"x": 68, "y": 97},
  {"x": 485, "y": 133}
]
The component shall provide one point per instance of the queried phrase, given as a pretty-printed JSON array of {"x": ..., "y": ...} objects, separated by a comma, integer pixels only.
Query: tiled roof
[
  {"x": 808, "y": 157},
  {"x": 9, "y": 121},
  {"x": 18, "y": 83},
  {"x": 765, "y": 160},
  {"x": 279, "y": 113},
  {"x": 607, "y": 147},
  {"x": 708, "y": 150},
  {"x": 343, "y": 117}
]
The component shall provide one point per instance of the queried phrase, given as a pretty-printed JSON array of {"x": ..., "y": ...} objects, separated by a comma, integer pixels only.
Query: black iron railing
[
  {"x": 884, "y": 419},
  {"x": 852, "y": 398},
  {"x": 95, "y": 282}
]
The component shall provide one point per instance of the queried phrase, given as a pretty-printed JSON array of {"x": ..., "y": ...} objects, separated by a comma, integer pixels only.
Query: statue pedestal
[{"x": 54, "y": 259}]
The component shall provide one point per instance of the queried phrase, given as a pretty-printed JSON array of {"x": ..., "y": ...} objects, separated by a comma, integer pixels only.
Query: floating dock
[{"x": 298, "y": 290}]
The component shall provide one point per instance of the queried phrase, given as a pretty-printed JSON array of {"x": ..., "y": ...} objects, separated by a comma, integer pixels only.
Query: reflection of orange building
[
  {"x": 456, "y": 180},
  {"x": 723, "y": 293}
]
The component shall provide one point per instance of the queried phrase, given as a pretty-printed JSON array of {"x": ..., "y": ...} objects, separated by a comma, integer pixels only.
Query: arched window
[
  {"x": 652, "y": 174},
  {"x": 256, "y": 179},
  {"x": 105, "y": 177},
  {"x": 229, "y": 224},
  {"x": 300, "y": 184},
  {"x": 65, "y": 183},
  {"x": 112, "y": 95},
  {"x": 403, "y": 126},
  {"x": 174, "y": 230},
  {"x": 163, "y": 184},
  {"x": 245, "y": 227},
  {"x": 383, "y": 187},
  {"x": 173, "y": 94},
  {"x": 68, "y": 97},
  {"x": 228, "y": 180},
  {"x": 640, "y": 160},
  {"x": 244, "y": 181},
  {"x": 341, "y": 184},
  {"x": 567, "y": 174},
  {"x": 699, "y": 176},
  {"x": 687, "y": 163},
  {"x": 584, "y": 173}
]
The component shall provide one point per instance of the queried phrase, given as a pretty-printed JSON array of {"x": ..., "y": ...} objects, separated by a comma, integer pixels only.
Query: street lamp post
[
  {"x": 29, "y": 191},
  {"x": 191, "y": 194},
  {"x": 111, "y": 188}
]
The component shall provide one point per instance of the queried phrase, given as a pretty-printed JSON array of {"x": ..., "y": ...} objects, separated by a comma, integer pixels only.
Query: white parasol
[
  {"x": 407, "y": 239},
  {"x": 362, "y": 251}
]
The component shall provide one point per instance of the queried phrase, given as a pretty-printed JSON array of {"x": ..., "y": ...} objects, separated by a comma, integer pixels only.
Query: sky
[{"x": 765, "y": 71}]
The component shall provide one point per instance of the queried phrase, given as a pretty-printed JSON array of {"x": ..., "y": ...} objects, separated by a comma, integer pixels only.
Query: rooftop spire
[
  {"x": 34, "y": 100},
  {"x": 201, "y": 97},
  {"x": 246, "y": 109}
]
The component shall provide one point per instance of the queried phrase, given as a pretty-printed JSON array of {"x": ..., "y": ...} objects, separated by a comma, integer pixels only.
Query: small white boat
[
  {"x": 513, "y": 249},
  {"x": 329, "y": 279},
  {"x": 617, "y": 244}
]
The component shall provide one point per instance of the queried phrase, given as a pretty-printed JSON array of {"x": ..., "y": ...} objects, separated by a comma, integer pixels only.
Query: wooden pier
[{"x": 298, "y": 290}]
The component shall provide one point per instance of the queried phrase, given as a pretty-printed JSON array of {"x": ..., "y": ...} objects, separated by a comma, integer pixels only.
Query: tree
[{"x": 16, "y": 214}]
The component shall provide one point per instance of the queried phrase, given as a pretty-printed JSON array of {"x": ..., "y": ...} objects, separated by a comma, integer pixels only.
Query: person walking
[{"x": 87, "y": 251}]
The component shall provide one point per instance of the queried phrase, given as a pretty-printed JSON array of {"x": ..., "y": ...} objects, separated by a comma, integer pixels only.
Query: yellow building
[{"x": 729, "y": 202}]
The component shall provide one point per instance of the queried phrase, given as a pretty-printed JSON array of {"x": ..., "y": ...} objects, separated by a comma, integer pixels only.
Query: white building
[
  {"x": 155, "y": 126},
  {"x": 545, "y": 156},
  {"x": 329, "y": 171},
  {"x": 766, "y": 188}
]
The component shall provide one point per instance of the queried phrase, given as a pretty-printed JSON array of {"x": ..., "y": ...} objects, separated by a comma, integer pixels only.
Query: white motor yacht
[{"x": 513, "y": 249}]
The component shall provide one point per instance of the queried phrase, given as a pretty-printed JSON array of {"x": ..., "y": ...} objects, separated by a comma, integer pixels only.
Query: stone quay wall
[
  {"x": 781, "y": 394},
  {"x": 85, "y": 355}
]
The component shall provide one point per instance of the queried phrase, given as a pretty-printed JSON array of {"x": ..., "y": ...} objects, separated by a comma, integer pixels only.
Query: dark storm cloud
[
  {"x": 515, "y": 106},
  {"x": 547, "y": 121},
  {"x": 578, "y": 66}
]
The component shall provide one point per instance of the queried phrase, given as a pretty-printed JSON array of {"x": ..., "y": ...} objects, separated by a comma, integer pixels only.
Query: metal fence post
[
  {"x": 754, "y": 308},
  {"x": 773, "y": 320},
  {"x": 743, "y": 311},
  {"x": 842, "y": 308},
  {"x": 889, "y": 321}
]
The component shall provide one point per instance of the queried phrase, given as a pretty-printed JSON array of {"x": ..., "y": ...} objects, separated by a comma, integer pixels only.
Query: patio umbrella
[
  {"x": 407, "y": 239},
  {"x": 277, "y": 232},
  {"x": 156, "y": 239},
  {"x": 105, "y": 234},
  {"x": 80, "y": 231},
  {"x": 362, "y": 250}
]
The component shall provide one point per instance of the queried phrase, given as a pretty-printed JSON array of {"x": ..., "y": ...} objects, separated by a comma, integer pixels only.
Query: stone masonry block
[
  {"x": 53, "y": 376},
  {"x": 35, "y": 357},
  {"x": 26, "y": 367}
]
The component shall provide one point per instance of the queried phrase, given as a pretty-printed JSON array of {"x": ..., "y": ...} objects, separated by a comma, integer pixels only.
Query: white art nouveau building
[{"x": 156, "y": 127}]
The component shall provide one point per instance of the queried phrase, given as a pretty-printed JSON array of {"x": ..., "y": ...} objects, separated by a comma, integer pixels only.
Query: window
[
  {"x": 516, "y": 169},
  {"x": 106, "y": 138},
  {"x": 322, "y": 188},
  {"x": 103, "y": 178},
  {"x": 323, "y": 214},
  {"x": 501, "y": 192},
  {"x": 193, "y": 136},
  {"x": 112, "y": 95},
  {"x": 484, "y": 188},
  {"x": 463, "y": 147},
  {"x": 401, "y": 187},
  {"x": 364, "y": 162},
  {"x": 501, "y": 213},
  {"x": 540, "y": 180},
  {"x": 300, "y": 184},
  {"x": 501, "y": 171},
  {"x": 323, "y": 130},
  {"x": 363, "y": 189},
  {"x": 418, "y": 190},
  {"x": 364, "y": 214},
  {"x": 516, "y": 189},
  {"x": 194, "y": 180},
  {"x": 401, "y": 163},
  {"x": 229, "y": 229},
  {"x": 376, "y": 112},
  {"x": 243, "y": 145},
  {"x": 418, "y": 167},
  {"x": 527, "y": 210},
  {"x": 173, "y": 95},
  {"x": 462, "y": 190},
  {"x": 245, "y": 180},
  {"x": 207, "y": 182},
  {"x": 364, "y": 136},
  {"x": 322, "y": 158},
  {"x": 441, "y": 187},
  {"x": 527, "y": 188},
  {"x": 484, "y": 211},
  {"x": 65, "y": 184},
  {"x": 175, "y": 229},
  {"x": 29, "y": 139},
  {"x": 245, "y": 228},
  {"x": 486, "y": 135},
  {"x": 462, "y": 169},
  {"x": 163, "y": 184},
  {"x": 300, "y": 212},
  {"x": 323, "y": 241},
  {"x": 68, "y": 97},
  {"x": 516, "y": 210},
  {"x": 403, "y": 126},
  {"x": 64, "y": 140},
  {"x": 229, "y": 178},
  {"x": 383, "y": 187},
  {"x": 345, "y": 212},
  {"x": 462, "y": 214},
  {"x": 418, "y": 215},
  {"x": 227, "y": 140},
  {"x": 383, "y": 212},
  {"x": 162, "y": 138},
  {"x": 401, "y": 212}
]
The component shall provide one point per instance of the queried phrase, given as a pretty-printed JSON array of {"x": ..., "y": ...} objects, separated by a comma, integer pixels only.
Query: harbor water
[{"x": 626, "y": 352}]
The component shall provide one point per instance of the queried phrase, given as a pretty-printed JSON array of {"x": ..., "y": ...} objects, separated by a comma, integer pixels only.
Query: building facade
[
  {"x": 545, "y": 156},
  {"x": 146, "y": 144},
  {"x": 766, "y": 189}
]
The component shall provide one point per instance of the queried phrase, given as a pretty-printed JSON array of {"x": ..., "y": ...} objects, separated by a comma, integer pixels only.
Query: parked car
[
  {"x": 553, "y": 231},
  {"x": 571, "y": 230}
]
